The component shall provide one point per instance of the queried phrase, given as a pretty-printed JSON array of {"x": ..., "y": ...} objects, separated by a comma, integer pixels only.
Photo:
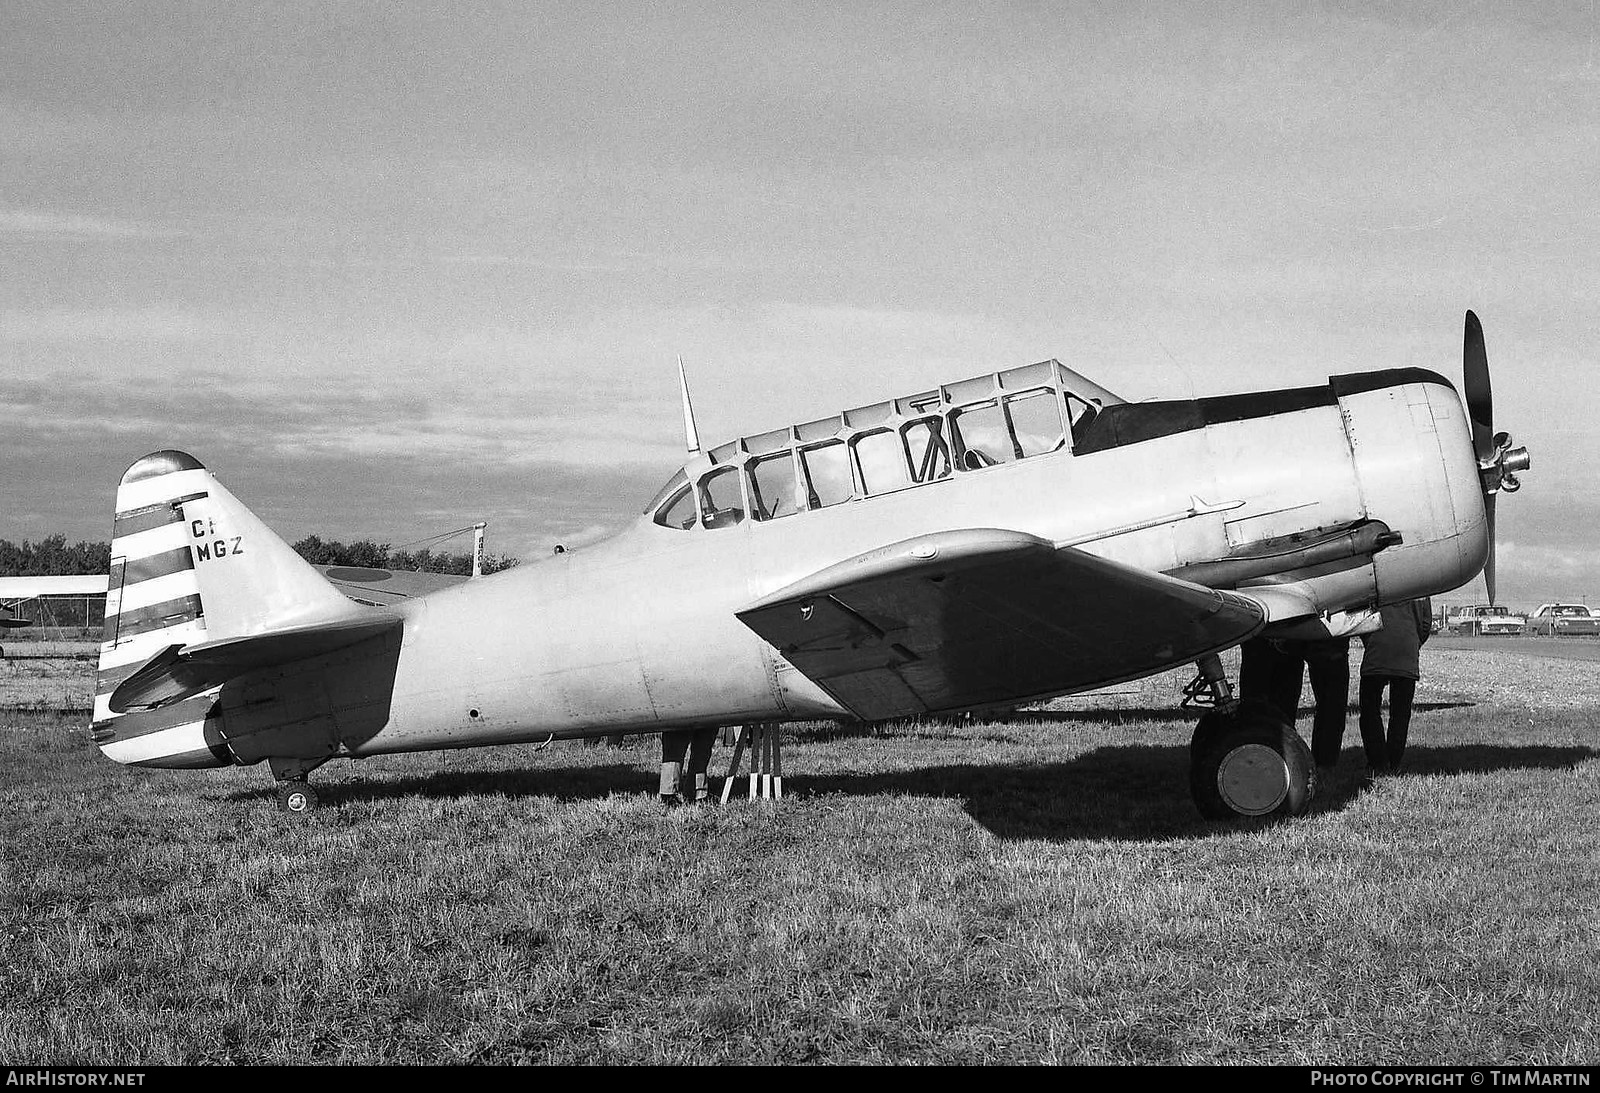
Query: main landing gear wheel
[
  {"x": 1249, "y": 763},
  {"x": 296, "y": 796},
  {"x": 1211, "y": 725}
]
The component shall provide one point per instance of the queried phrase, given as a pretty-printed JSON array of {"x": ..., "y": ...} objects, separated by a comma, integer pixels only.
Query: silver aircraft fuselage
[{"x": 639, "y": 632}]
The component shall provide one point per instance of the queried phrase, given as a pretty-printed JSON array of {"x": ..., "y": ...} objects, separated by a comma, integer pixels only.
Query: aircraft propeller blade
[
  {"x": 1498, "y": 461},
  {"x": 1488, "y": 564},
  {"x": 1480, "y": 400}
]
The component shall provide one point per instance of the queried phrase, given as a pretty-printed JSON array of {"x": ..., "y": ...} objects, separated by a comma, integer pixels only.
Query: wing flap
[{"x": 960, "y": 619}]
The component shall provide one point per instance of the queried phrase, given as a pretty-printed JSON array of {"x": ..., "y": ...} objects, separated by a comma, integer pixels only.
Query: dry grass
[
  {"x": 1034, "y": 890},
  {"x": 52, "y": 676}
]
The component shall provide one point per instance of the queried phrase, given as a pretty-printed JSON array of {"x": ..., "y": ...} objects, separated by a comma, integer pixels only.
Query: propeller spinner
[{"x": 1498, "y": 460}]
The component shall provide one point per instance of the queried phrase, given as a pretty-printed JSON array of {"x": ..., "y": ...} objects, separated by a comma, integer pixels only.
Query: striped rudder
[{"x": 153, "y": 602}]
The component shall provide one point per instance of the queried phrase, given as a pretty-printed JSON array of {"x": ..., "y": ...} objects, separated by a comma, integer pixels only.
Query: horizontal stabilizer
[
  {"x": 381, "y": 587},
  {"x": 179, "y": 672}
]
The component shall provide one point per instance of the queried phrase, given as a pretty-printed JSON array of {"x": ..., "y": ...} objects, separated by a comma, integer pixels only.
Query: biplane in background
[
  {"x": 16, "y": 591},
  {"x": 998, "y": 540}
]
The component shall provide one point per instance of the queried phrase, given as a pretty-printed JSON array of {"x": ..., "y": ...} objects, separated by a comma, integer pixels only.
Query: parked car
[
  {"x": 1563, "y": 620},
  {"x": 1486, "y": 620}
]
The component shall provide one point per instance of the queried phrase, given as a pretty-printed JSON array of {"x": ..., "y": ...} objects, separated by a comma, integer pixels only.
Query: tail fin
[{"x": 192, "y": 567}]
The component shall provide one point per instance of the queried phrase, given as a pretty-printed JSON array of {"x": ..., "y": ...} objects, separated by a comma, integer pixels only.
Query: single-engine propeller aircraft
[{"x": 1002, "y": 539}]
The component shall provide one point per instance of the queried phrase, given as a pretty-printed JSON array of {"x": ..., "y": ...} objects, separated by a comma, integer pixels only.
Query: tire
[
  {"x": 1213, "y": 723},
  {"x": 1250, "y": 764},
  {"x": 1206, "y": 730},
  {"x": 296, "y": 797}
]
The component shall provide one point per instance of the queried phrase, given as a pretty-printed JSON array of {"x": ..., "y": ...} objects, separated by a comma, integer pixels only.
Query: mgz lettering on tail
[{"x": 220, "y": 546}]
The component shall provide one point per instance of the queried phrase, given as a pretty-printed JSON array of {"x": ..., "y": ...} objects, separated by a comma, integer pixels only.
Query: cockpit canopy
[{"x": 882, "y": 448}]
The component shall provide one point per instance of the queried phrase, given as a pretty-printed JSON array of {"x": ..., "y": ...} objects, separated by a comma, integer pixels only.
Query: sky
[{"x": 391, "y": 268}]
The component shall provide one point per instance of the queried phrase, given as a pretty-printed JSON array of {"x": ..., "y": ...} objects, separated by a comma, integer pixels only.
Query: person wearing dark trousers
[
  {"x": 1274, "y": 671},
  {"x": 697, "y": 745},
  {"x": 1391, "y": 660},
  {"x": 1328, "y": 668},
  {"x": 1269, "y": 673}
]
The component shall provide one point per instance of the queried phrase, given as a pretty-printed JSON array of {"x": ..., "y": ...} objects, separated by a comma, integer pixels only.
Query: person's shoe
[{"x": 671, "y": 800}]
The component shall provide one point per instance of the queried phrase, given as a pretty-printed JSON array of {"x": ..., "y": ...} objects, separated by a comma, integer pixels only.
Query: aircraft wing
[
  {"x": 953, "y": 620},
  {"x": 14, "y": 589}
]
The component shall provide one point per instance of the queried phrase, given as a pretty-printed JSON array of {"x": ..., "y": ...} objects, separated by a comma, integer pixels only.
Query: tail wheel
[
  {"x": 296, "y": 796},
  {"x": 1250, "y": 763}
]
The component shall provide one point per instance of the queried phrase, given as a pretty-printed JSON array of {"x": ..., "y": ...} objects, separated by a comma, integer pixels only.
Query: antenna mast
[{"x": 691, "y": 435}]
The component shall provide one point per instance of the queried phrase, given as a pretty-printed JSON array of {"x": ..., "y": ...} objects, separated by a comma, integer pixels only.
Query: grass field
[{"x": 1031, "y": 891}]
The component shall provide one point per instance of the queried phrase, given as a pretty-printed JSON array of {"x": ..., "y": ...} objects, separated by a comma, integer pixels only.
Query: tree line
[
  {"x": 370, "y": 555},
  {"x": 52, "y": 556}
]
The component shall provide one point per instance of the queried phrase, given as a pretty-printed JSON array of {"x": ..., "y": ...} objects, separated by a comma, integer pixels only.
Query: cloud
[
  {"x": 403, "y": 429},
  {"x": 77, "y": 226},
  {"x": 616, "y": 261},
  {"x": 147, "y": 324},
  {"x": 365, "y": 464},
  {"x": 1552, "y": 561},
  {"x": 483, "y": 431}
]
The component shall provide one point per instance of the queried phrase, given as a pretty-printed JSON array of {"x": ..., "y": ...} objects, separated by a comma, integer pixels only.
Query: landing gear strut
[{"x": 1245, "y": 758}]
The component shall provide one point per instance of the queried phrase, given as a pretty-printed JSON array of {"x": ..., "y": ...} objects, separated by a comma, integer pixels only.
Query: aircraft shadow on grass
[
  {"x": 1100, "y": 716},
  {"x": 1124, "y": 792}
]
